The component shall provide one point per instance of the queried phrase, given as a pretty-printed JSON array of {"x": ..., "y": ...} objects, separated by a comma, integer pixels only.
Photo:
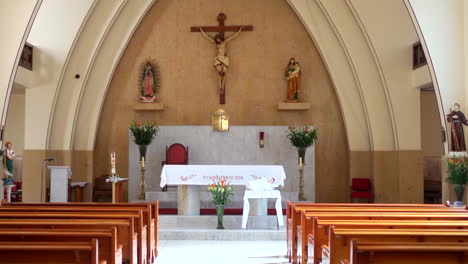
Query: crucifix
[{"x": 221, "y": 61}]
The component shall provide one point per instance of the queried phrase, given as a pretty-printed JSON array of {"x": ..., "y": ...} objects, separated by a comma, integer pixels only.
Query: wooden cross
[{"x": 221, "y": 29}]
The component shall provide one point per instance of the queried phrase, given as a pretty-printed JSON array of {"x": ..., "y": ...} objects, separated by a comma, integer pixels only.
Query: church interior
[{"x": 222, "y": 131}]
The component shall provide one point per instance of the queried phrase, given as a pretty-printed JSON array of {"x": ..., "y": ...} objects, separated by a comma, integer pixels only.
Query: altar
[
  {"x": 239, "y": 146},
  {"x": 189, "y": 178}
]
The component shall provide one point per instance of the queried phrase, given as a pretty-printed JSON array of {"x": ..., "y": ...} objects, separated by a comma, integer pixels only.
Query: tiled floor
[{"x": 221, "y": 252}]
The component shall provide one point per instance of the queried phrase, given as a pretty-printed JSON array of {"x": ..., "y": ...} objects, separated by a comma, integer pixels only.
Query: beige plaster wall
[
  {"x": 431, "y": 129},
  {"x": 254, "y": 85}
]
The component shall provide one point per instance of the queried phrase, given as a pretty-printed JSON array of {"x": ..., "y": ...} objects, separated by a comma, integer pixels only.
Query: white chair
[{"x": 260, "y": 195}]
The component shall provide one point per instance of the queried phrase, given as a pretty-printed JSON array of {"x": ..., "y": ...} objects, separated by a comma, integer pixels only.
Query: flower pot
[
  {"x": 459, "y": 192},
  {"x": 301, "y": 151},
  {"x": 220, "y": 214},
  {"x": 142, "y": 149}
]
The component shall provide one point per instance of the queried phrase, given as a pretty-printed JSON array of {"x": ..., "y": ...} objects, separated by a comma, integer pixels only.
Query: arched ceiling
[{"x": 366, "y": 46}]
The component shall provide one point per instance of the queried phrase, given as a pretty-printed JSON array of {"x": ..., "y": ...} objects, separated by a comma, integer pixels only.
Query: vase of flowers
[
  {"x": 143, "y": 135},
  {"x": 458, "y": 177},
  {"x": 220, "y": 191},
  {"x": 302, "y": 137}
]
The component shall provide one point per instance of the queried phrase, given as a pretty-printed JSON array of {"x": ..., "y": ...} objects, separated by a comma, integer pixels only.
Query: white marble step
[
  {"x": 268, "y": 222},
  {"x": 221, "y": 235},
  {"x": 173, "y": 227}
]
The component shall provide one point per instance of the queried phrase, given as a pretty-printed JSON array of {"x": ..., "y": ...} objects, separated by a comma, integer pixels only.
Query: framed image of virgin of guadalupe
[{"x": 149, "y": 81}]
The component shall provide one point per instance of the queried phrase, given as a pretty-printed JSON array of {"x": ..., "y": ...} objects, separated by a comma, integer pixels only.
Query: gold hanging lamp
[{"x": 220, "y": 120}]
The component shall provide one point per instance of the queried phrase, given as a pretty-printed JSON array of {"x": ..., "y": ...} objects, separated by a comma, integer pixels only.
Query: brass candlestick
[
  {"x": 301, "y": 184},
  {"x": 301, "y": 180},
  {"x": 142, "y": 185}
]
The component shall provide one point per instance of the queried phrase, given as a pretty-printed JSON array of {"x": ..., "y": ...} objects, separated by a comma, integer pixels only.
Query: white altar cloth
[{"x": 234, "y": 174}]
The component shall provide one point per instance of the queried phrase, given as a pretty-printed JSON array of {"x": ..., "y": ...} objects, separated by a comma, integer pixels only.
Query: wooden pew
[
  {"x": 299, "y": 225},
  {"x": 125, "y": 234},
  {"x": 145, "y": 209},
  {"x": 50, "y": 252},
  {"x": 108, "y": 247},
  {"x": 408, "y": 252},
  {"x": 135, "y": 220},
  {"x": 151, "y": 217},
  {"x": 293, "y": 216},
  {"x": 339, "y": 245},
  {"x": 319, "y": 234}
]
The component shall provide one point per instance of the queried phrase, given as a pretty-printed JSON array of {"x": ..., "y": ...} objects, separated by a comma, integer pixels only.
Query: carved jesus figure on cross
[{"x": 221, "y": 61}]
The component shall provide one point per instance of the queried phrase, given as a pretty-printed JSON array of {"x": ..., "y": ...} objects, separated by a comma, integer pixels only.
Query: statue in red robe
[
  {"x": 458, "y": 119},
  {"x": 148, "y": 86}
]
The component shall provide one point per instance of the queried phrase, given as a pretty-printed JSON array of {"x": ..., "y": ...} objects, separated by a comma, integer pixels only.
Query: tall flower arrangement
[
  {"x": 458, "y": 176},
  {"x": 143, "y": 134},
  {"x": 220, "y": 191},
  {"x": 302, "y": 136}
]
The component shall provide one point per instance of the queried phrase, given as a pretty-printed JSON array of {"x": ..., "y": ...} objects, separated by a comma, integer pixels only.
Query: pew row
[
  {"x": 291, "y": 215},
  {"x": 134, "y": 219},
  {"x": 320, "y": 230},
  {"x": 125, "y": 234},
  {"x": 108, "y": 247},
  {"x": 408, "y": 252},
  {"x": 144, "y": 210},
  {"x": 339, "y": 246},
  {"x": 150, "y": 215},
  {"x": 300, "y": 227},
  {"x": 51, "y": 252}
]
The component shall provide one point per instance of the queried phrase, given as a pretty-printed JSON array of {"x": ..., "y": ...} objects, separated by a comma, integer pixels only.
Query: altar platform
[
  {"x": 169, "y": 199},
  {"x": 203, "y": 227}
]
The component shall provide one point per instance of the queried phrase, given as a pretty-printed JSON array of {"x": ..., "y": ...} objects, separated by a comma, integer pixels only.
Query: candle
[
  {"x": 113, "y": 163},
  {"x": 300, "y": 162},
  {"x": 142, "y": 162}
]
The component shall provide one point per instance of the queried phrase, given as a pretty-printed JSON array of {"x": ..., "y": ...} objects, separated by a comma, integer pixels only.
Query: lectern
[{"x": 59, "y": 183}]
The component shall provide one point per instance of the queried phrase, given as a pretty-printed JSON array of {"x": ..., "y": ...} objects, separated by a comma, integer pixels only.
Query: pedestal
[
  {"x": 59, "y": 183},
  {"x": 118, "y": 190},
  {"x": 258, "y": 207},
  {"x": 189, "y": 200},
  {"x": 78, "y": 190}
]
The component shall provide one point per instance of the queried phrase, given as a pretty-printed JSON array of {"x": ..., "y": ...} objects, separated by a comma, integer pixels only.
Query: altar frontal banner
[{"x": 233, "y": 174}]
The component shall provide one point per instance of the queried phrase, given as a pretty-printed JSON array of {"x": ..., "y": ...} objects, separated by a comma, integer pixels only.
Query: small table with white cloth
[
  {"x": 190, "y": 177},
  {"x": 262, "y": 195}
]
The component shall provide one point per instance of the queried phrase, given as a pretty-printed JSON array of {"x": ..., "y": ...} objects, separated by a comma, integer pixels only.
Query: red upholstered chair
[
  {"x": 176, "y": 154},
  {"x": 361, "y": 188}
]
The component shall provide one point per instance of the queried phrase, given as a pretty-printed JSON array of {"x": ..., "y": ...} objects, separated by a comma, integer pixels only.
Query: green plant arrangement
[
  {"x": 302, "y": 136},
  {"x": 458, "y": 176},
  {"x": 143, "y": 135},
  {"x": 220, "y": 191}
]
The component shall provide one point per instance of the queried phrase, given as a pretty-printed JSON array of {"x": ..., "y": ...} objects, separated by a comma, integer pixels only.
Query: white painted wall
[
  {"x": 15, "y": 18},
  {"x": 52, "y": 35},
  {"x": 239, "y": 146},
  {"x": 442, "y": 27}
]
